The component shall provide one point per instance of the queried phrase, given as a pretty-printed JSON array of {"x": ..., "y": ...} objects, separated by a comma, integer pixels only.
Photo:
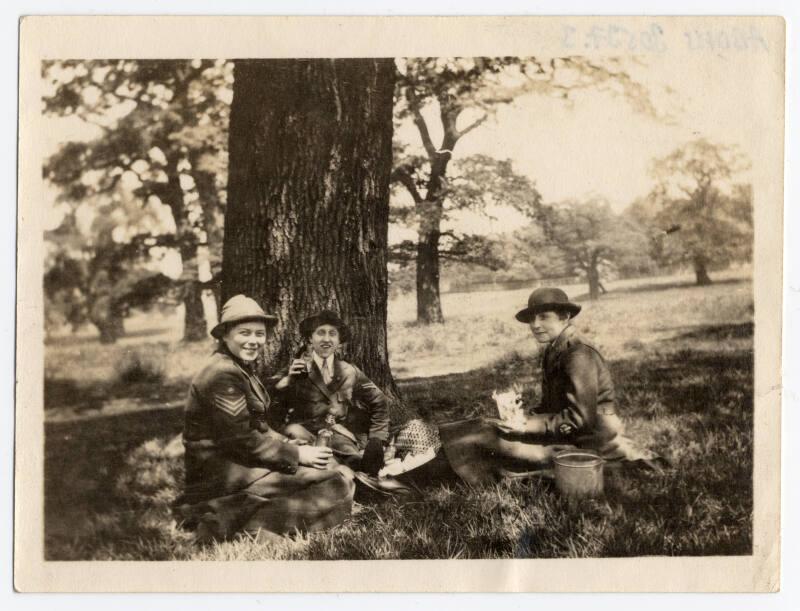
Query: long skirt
[
  {"x": 307, "y": 500},
  {"x": 479, "y": 453}
]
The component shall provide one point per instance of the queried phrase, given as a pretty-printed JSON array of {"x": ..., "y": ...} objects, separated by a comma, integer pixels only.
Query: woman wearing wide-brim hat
[
  {"x": 547, "y": 299},
  {"x": 577, "y": 408},
  {"x": 321, "y": 391},
  {"x": 241, "y": 475}
]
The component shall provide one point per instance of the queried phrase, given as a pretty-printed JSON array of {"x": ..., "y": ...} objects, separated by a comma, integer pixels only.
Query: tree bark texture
[{"x": 306, "y": 223}]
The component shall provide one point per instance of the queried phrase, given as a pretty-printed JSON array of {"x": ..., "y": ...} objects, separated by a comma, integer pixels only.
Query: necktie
[{"x": 326, "y": 372}]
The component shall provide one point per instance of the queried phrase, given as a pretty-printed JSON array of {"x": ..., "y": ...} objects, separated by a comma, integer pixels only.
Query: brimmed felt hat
[
  {"x": 240, "y": 309},
  {"x": 325, "y": 317},
  {"x": 547, "y": 299}
]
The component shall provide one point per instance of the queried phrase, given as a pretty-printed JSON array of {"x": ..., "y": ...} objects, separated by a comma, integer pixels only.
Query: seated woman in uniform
[
  {"x": 320, "y": 391},
  {"x": 577, "y": 410},
  {"x": 241, "y": 475}
]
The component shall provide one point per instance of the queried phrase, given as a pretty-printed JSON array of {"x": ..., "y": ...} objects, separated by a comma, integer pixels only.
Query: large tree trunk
[
  {"x": 306, "y": 225},
  {"x": 700, "y": 271},
  {"x": 429, "y": 303}
]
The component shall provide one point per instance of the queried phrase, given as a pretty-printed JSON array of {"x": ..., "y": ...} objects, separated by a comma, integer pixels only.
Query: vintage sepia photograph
[{"x": 401, "y": 306}]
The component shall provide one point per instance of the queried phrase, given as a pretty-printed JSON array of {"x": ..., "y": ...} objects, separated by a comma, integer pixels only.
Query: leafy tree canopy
[
  {"x": 161, "y": 139},
  {"x": 584, "y": 237},
  {"x": 698, "y": 200}
]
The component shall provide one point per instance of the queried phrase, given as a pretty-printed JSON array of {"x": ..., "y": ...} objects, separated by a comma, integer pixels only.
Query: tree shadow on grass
[
  {"x": 468, "y": 394},
  {"x": 715, "y": 332},
  {"x": 85, "y": 339},
  {"x": 66, "y": 392},
  {"x": 83, "y": 459},
  {"x": 87, "y": 397},
  {"x": 682, "y": 370},
  {"x": 617, "y": 293}
]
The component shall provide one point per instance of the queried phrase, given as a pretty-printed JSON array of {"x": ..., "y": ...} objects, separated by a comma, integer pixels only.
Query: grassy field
[{"x": 681, "y": 357}]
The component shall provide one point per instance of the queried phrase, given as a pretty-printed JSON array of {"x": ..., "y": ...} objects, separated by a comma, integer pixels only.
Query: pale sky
[{"x": 600, "y": 144}]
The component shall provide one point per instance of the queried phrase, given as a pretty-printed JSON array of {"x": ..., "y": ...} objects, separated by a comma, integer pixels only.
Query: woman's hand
[
  {"x": 297, "y": 368},
  {"x": 313, "y": 456},
  {"x": 372, "y": 461}
]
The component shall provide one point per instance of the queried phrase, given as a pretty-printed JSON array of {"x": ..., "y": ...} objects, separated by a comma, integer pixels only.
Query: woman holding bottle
[{"x": 241, "y": 474}]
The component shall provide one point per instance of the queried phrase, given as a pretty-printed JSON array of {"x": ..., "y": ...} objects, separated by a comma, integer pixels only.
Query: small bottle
[
  {"x": 309, "y": 360},
  {"x": 324, "y": 438},
  {"x": 325, "y": 434}
]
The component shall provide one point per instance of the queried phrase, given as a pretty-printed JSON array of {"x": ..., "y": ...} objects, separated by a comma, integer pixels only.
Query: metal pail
[{"x": 579, "y": 473}]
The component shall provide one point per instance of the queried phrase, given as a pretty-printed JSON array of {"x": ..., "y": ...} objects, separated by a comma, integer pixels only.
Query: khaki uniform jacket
[
  {"x": 577, "y": 395},
  {"x": 577, "y": 410},
  {"x": 353, "y": 399},
  {"x": 228, "y": 444}
]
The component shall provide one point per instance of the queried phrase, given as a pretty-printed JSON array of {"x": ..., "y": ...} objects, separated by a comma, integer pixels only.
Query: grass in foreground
[{"x": 109, "y": 483}]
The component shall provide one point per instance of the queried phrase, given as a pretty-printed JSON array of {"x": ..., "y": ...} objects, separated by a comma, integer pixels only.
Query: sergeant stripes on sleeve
[{"x": 231, "y": 403}]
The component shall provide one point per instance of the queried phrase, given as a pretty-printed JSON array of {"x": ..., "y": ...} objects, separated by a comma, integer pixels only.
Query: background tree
[
  {"x": 661, "y": 247},
  {"x": 584, "y": 238},
  {"x": 98, "y": 274},
  {"x": 463, "y": 93},
  {"x": 696, "y": 193},
  {"x": 162, "y": 127},
  {"x": 306, "y": 225},
  {"x": 475, "y": 183}
]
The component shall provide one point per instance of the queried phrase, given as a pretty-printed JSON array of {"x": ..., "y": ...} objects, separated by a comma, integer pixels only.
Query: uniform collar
[
  {"x": 563, "y": 339},
  {"x": 337, "y": 375}
]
